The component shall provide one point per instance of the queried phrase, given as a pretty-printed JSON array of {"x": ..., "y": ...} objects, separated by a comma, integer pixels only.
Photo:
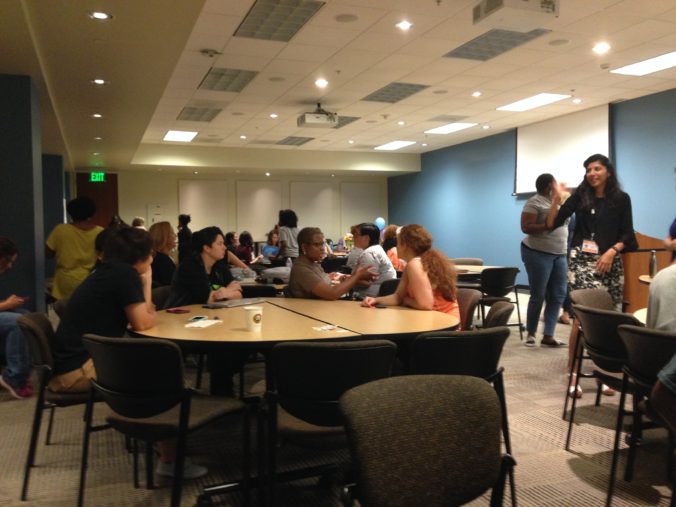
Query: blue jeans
[
  {"x": 17, "y": 355},
  {"x": 548, "y": 280}
]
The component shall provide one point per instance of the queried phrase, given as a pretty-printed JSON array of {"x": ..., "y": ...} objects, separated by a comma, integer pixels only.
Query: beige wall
[{"x": 139, "y": 189}]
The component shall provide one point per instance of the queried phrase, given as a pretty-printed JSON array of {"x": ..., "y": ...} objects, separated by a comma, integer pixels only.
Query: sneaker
[
  {"x": 530, "y": 341},
  {"x": 190, "y": 470},
  {"x": 20, "y": 393}
]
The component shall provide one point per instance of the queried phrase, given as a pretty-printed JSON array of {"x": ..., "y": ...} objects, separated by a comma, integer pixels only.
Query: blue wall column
[
  {"x": 54, "y": 195},
  {"x": 21, "y": 203}
]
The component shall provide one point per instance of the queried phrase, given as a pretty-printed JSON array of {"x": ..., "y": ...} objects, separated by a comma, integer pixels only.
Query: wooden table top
[
  {"x": 278, "y": 325},
  {"x": 641, "y": 315},
  {"x": 368, "y": 321},
  {"x": 645, "y": 279},
  {"x": 472, "y": 269}
]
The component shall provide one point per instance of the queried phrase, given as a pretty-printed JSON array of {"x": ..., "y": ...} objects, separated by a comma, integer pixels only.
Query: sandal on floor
[
  {"x": 530, "y": 341},
  {"x": 607, "y": 391},
  {"x": 555, "y": 343},
  {"x": 564, "y": 320},
  {"x": 575, "y": 393}
]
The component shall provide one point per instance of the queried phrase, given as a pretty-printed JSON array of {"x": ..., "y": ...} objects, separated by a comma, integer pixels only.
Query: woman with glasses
[{"x": 308, "y": 279}]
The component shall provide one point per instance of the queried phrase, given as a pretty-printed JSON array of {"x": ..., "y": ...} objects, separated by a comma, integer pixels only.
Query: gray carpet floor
[{"x": 546, "y": 474}]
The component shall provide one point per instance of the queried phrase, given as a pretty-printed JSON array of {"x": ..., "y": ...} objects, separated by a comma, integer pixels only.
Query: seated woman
[
  {"x": 356, "y": 251},
  {"x": 390, "y": 247},
  {"x": 271, "y": 248},
  {"x": 308, "y": 279},
  {"x": 164, "y": 241},
  {"x": 373, "y": 257},
  {"x": 428, "y": 282},
  {"x": 204, "y": 278},
  {"x": 245, "y": 250}
]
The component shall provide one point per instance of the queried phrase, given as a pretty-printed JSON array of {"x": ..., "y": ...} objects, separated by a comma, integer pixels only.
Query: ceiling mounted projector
[
  {"x": 518, "y": 15},
  {"x": 319, "y": 118}
]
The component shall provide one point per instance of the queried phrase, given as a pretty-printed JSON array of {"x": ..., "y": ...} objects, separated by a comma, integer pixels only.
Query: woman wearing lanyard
[{"x": 603, "y": 230}]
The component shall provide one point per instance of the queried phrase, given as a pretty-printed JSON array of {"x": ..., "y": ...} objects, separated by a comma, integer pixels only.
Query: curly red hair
[{"x": 439, "y": 269}]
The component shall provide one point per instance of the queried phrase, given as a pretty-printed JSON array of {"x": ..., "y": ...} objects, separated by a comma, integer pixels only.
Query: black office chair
[
  {"x": 388, "y": 287},
  {"x": 648, "y": 351},
  {"x": 142, "y": 381},
  {"x": 425, "y": 440},
  {"x": 468, "y": 299},
  {"x": 496, "y": 284},
  {"x": 306, "y": 381},
  {"x": 474, "y": 353},
  {"x": 604, "y": 348},
  {"x": 499, "y": 314},
  {"x": 39, "y": 334}
]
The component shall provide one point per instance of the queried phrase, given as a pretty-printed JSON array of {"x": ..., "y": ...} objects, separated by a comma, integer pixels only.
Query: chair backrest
[
  {"x": 311, "y": 377},
  {"x": 601, "y": 338},
  {"x": 388, "y": 287},
  {"x": 137, "y": 377},
  {"x": 60, "y": 307},
  {"x": 467, "y": 299},
  {"x": 259, "y": 291},
  {"x": 39, "y": 333},
  {"x": 468, "y": 261},
  {"x": 333, "y": 264},
  {"x": 648, "y": 351},
  {"x": 160, "y": 295},
  {"x": 431, "y": 440},
  {"x": 498, "y": 282},
  {"x": 499, "y": 314},
  {"x": 593, "y": 298},
  {"x": 474, "y": 353}
]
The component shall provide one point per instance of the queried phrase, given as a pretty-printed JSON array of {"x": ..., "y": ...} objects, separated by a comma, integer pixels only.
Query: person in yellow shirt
[{"x": 73, "y": 246}]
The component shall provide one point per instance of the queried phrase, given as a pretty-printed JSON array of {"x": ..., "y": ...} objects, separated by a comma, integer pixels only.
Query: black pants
[{"x": 223, "y": 364}]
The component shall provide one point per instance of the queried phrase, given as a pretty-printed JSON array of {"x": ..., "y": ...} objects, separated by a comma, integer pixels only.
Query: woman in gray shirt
[{"x": 544, "y": 254}]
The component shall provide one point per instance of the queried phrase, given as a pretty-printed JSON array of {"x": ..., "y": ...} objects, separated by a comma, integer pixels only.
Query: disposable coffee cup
[{"x": 254, "y": 318}]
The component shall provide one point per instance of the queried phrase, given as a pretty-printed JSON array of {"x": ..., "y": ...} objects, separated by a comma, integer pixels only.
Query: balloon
[{"x": 380, "y": 223}]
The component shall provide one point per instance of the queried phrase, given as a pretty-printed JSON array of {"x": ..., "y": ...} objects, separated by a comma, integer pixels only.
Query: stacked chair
[{"x": 496, "y": 285}]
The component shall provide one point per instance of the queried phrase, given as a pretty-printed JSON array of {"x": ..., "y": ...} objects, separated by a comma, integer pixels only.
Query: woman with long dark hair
[{"x": 604, "y": 228}]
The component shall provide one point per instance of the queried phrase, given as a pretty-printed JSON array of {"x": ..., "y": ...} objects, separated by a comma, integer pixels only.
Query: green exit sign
[{"x": 97, "y": 177}]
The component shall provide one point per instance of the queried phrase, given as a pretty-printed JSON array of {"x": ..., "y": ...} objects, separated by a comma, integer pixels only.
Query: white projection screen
[{"x": 559, "y": 146}]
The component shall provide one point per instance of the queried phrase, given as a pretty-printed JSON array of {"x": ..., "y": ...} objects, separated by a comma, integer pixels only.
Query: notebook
[{"x": 231, "y": 303}]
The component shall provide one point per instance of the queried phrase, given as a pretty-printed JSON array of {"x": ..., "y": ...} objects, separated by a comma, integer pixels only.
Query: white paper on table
[
  {"x": 330, "y": 327},
  {"x": 203, "y": 323}
]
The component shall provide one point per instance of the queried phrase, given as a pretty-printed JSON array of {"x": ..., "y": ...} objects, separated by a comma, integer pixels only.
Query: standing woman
[
  {"x": 604, "y": 228},
  {"x": 428, "y": 282},
  {"x": 544, "y": 254},
  {"x": 184, "y": 238},
  {"x": 164, "y": 241},
  {"x": 288, "y": 234}
]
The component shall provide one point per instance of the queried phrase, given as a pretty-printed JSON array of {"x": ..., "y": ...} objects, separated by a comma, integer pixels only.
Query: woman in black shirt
[
  {"x": 164, "y": 241},
  {"x": 184, "y": 238}
]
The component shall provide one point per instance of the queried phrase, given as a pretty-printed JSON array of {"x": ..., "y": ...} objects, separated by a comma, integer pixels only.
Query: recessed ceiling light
[
  {"x": 99, "y": 82},
  {"x": 450, "y": 128},
  {"x": 401, "y": 123},
  {"x": 601, "y": 48},
  {"x": 649, "y": 66},
  {"x": 97, "y": 115},
  {"x": 97, "y": 138},
  {"x": 96, "y": 154},
  {"x": 577, "y": 101},
  {"x": 195, "y": 172},
  {"x": 321, "y": 83},
  {"x": 101, "y": 16},
  {"x": 485, "y": 127},
  {"x": 267, "y": 174},
  {"x": 476, "y": 94},
  {"x": 539, "y": 100},
  {"x": 242, "y": 137},
  {"x": 181, "y": 136},
  {"x": 351, "y": 141},
  {"x": 333, "y": 175},
  {"x": 423, "y": 144},
  {"x": 394, "y": 145},
  {"x": 404, "y": 25},
  {"x": 273, "y": 115}
]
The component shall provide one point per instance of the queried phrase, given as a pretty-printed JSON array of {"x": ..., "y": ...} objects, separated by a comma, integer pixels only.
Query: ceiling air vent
[
  {"x": 294, "y": 141},
  {"x": 394, "y": 92},
  {"x": 493, "y": 43},
  {"x": 227, "y": 80},
  {"x": 277, "y": 20}
]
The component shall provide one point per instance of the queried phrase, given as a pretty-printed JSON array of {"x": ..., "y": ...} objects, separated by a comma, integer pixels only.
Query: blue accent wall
[{"x": 463, "y": 194}]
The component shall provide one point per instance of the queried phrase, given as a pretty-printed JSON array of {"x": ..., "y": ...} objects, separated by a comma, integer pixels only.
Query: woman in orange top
[
  {"x": 390, "y": 247},
  {"x": 428, "y": 282}
]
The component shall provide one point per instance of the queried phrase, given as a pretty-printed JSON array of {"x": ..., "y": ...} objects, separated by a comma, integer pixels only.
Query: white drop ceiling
[{"x": 151, "y": 54}]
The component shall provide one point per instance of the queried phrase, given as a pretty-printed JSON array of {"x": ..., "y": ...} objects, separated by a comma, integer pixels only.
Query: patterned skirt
[{"x": 582, "y": 275}]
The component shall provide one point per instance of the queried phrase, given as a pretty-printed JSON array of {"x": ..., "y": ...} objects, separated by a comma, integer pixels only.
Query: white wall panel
[
  {"x": 205, "y": 201},
  {"x": 360, "y": 202},
  {"x": 258, "y": 205}
]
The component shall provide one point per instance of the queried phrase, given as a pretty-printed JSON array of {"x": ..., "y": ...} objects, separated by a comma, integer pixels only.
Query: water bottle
[{"x": 653, "y": 263}]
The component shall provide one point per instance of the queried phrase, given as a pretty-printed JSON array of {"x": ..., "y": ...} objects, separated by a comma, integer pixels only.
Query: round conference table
[{"x": 286, "y": 319}]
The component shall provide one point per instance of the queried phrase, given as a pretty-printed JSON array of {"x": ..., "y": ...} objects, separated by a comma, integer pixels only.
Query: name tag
[{"x": 590, "y": 246}]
